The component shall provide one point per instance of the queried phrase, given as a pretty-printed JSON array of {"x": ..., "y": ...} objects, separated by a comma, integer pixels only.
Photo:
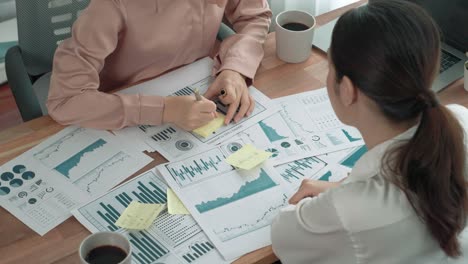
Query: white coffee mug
[
  {"x": 105, "y": 238},
  {"x": 466, "y": 76},
  {"x": 294, "y": 46}
]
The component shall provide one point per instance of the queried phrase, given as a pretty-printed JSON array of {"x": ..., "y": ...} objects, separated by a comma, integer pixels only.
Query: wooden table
[{"x": 19, "y": 244}]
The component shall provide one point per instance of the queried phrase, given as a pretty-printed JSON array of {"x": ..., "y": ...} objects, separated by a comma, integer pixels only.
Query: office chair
[{"x": 42, "y": 25}]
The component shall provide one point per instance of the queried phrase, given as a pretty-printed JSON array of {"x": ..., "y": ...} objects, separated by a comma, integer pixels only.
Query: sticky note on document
[
  {"x": 208, "y": 129},
  {"x": 248, "y": 157},
  {"x": 139, "y": 215},
  {"x": 174, "y": 205}
]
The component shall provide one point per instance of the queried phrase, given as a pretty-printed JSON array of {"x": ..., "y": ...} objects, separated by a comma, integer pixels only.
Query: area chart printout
[
  {"x": 42, "y": 186},
  {"x": 234, "y": 207},
  {"x": 170, "y": 239},
  {"x": 175, "y": 143}
]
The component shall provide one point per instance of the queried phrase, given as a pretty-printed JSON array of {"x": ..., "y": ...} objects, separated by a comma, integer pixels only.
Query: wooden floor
[{"x": 9, "y": 113}]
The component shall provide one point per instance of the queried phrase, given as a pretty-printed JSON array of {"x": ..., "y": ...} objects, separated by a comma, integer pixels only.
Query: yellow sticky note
[
  {"x": 174, "y": 205},
  {"x": 208, "y": 129},
  {"x": 248, "y": 157},
  {"x": 139, "y": 215}
]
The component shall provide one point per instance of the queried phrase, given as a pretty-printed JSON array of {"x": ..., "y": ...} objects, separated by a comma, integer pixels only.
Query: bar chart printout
[
  {"x": 232, "y": 207},
  {"x": 170, "y": 239}
]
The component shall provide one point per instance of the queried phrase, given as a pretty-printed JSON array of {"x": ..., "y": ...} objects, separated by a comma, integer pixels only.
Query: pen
[{"x": 197, "y": 94}]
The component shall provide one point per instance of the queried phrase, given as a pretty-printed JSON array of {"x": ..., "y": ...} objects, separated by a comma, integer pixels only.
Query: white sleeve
[{"x": 313, "y": 222}]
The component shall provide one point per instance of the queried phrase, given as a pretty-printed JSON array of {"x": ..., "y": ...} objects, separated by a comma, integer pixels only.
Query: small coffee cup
[
  {"x": 294, "y": 35},
  {"x": 105, "y": 247},
  {"x": 466, "y": 76}
]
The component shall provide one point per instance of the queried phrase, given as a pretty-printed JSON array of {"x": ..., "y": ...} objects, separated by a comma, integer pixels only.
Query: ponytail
[{"x": 431, "y": 169}]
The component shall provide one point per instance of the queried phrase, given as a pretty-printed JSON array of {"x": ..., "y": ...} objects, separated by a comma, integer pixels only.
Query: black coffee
[
  {"x": 106, "y": 255},
  {"x": 295, "y": 26}
]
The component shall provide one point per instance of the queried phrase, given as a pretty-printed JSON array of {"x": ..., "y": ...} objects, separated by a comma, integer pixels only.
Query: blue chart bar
[
  {"x": 144, "y": 127},
  {"x": 184, "y": 91},
  {"x": 300, "y": 168},
  {"x": 198, "y": 167},
  {"x": 164, "y": 135},
  {"x": 110, "y": 215},
  {"x": 197, "y": 250},
  {"x": 145, "y": 195},
  {"x": 124, "y": 199},
  {"x": 148, "y": 249}
]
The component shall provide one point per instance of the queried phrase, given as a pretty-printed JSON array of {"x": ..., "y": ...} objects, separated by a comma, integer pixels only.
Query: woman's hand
[
  {"x": 311, "y": 188},
  {"x": 236, "y": 94},
  {"x": 188, "y": 113}
]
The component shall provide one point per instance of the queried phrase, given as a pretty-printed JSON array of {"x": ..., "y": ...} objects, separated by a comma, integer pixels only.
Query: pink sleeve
[
  {"x": 243, "y": 51},
  {"x": 74, "y": 97}
]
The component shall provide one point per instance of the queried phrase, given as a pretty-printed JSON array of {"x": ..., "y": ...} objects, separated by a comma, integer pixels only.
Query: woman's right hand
[
  {"x": 187, "y": 113},
  {"x": 310, "y": 188}
]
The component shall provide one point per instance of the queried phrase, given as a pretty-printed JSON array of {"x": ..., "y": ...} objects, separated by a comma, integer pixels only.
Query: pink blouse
[{"x": 119, "y": 42}]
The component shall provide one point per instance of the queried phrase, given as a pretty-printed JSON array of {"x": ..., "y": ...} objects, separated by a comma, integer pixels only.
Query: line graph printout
[
  {"x": 41, "y": 186},
  {"x": 232, "y": 207},
  {"x": 173, "y": 142},
  {"x": 305, "y": 126},
  {"x": 92, "y": 160},
  {"x": 170, "y": 239}
]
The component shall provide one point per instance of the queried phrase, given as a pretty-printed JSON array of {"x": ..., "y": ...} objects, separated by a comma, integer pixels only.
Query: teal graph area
[
  {"x": 351, "y": 159},
  {"x": 349, "y": 137},
  {"x": 270, "y": 132},
  {"x": 202, "y": 166},
  {"x": 145, "y": 248},
  {"x": 263, "y": 182},
  {"x": 297, "y": 170},
  {"x": 65, "y": 167},
  {"x": 197, "y": 250},
  {"x": 326, "y": 176}
]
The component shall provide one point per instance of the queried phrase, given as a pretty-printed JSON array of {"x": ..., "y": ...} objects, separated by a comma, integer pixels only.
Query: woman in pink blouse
[{"x": 119, "y": 42}]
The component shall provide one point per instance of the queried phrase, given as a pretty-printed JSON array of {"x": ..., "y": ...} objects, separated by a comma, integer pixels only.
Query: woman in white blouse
[{"x": 406, "y": 199}]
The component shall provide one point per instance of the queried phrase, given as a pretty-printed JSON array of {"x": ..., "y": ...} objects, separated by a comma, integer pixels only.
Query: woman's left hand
[{"x": 236, "y": 95}]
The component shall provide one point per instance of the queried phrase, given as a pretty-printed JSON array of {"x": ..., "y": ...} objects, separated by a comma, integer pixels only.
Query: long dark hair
[{"x": 391, "y": 50}]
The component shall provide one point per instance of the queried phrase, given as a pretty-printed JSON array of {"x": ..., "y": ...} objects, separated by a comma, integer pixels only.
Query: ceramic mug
[
  {"x": 294, "y": 34},
  {"x": 106, "y": 242}
]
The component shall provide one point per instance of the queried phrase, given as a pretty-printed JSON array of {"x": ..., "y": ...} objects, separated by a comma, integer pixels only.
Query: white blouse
[{"x": 364, "y": 220}]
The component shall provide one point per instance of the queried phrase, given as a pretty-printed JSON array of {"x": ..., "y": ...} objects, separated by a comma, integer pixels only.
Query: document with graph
[
  {"x": 170, "y": 239},
  {"x": 175, "y": 143},
  {"x": 305, "y": 126},
  {"x": 332, "y": 167},
  {"x": 234, "y": 207},
  {"x": 41, "y": 186}
]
